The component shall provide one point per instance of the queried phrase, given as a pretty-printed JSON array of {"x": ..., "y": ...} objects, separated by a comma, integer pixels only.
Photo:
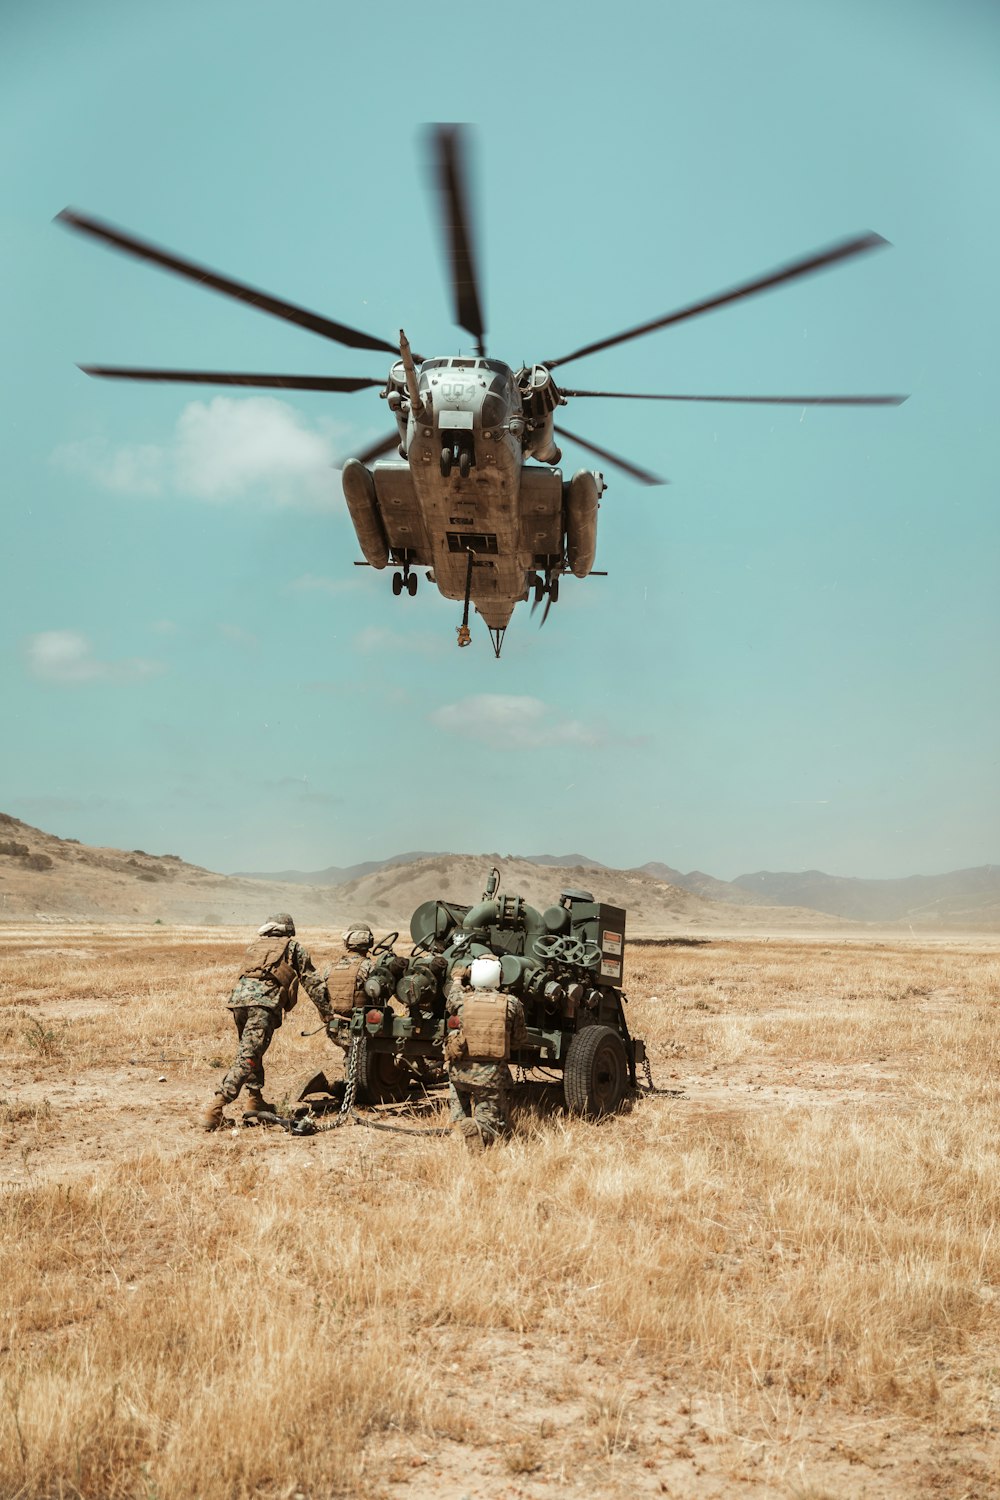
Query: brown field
[{"x": 781, "y": 1278}]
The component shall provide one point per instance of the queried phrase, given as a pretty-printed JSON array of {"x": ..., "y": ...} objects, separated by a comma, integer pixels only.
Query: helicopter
[{"x": 474, "y": 496}]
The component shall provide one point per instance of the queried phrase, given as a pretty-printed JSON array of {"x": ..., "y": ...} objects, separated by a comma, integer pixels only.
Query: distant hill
[
  {"x": 343, "y": 874},
  {"x": 573, "y": 861},
  {"x": 702, "y": 885},
  {"x": 653, "y": 906},
  {"x": 963, "y": 898},
  {"x": 46, "y": 877},
  {"x": 333, "y": 874}
]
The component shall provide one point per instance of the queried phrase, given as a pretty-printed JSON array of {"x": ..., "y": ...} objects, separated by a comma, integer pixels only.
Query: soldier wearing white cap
[{"x": 483, "y": 1028}]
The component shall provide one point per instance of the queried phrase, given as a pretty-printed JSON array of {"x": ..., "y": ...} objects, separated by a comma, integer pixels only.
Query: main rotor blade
[
  {"x": 448, "y": 145},
  {"x": 120, "y": 239},
  {"x": 753, "y": 400},
  {"x": 228, "y": 377},
  {"x": 842, "y": 250},
  {"x": 643, "y": 475},
  {"x": 378, "y": 450}
]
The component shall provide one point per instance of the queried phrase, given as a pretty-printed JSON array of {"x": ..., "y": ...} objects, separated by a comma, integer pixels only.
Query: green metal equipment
[{"x": 565, "y": 964}]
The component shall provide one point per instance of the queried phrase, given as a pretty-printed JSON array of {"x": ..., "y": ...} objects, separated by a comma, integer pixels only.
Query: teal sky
[{"x": 793, "y": 661}]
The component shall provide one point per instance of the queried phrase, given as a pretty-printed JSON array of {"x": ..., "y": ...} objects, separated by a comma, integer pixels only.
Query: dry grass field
[{"x": 781, "y": 1278}]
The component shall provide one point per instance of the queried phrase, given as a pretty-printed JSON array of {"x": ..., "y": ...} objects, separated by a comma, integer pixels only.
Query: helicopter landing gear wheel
[
  {"x": 411, "y": 585},
  {"x": 447, "y": 457},
  {"x": 554, "y": 589},
  {"x": 464, "y": 463},
  {"x": 397, "y": 584},
  {"x": 539, "y": 593}
]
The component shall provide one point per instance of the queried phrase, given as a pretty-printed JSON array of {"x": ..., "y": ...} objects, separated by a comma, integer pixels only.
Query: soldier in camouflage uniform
[
  {"x": 274, "y": 965},
  {"x": 479, "y": 1087},
  {"x": 342, "y": 984}
]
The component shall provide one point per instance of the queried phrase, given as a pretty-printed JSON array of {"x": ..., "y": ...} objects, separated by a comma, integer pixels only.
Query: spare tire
[{"x": 596, "y": 1077}]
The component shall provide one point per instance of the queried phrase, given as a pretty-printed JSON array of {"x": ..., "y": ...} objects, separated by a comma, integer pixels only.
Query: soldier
[
  {"x": 267, "y": 987},
  {"x": 482, "y": 1029},
  {"x": 342, "y": 985}
]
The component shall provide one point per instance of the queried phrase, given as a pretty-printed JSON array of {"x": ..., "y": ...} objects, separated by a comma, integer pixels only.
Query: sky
[{"x": 792, "y": 662}]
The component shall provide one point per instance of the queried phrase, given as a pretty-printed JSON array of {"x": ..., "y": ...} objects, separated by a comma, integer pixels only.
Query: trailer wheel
[
  {"x": 382, "y": 1079},
  {"x": 595, "y": 1079}
]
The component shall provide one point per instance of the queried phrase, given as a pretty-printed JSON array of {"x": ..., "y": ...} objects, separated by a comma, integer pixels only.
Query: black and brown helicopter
[{"x": 463, "y": 499}]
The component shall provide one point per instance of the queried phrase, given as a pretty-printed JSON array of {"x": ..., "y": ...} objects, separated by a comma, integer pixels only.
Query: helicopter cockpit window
[
  {"x": 463, "y": 364},
  {"x": 432, "y": 364}
]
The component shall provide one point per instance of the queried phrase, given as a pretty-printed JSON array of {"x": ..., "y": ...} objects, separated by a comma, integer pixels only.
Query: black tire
[
  {"x": 447, "y": 455},
  {"x": 411, "y": 585},
  {"x": 554, "y": 590},
  {"x": 382, "y": 1079},
  {"x": 397, "y": 584},
  {"x": 595, "y": 1079},
  {"x": 464, "y": 463}
]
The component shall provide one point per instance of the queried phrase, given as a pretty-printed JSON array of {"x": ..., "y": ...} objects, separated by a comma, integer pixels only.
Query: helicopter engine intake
[{"x": 539, "y": 398}]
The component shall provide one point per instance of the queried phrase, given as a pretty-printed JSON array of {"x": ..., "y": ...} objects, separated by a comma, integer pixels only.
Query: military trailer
[{"x": 565, "y": 964}]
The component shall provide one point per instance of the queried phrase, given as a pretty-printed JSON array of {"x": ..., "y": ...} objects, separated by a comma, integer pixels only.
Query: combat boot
[
  {"x": 212, "y": 1117},
  {"x": 472, "y": 1137},
  {"x": 255, "y": 1103}
]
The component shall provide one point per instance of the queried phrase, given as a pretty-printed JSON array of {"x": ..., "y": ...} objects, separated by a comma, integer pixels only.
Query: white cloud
[
  {"x": 66, "y": 656},
  {"x": 509, "y": 722},
  {"x": 226, "y": 449}
]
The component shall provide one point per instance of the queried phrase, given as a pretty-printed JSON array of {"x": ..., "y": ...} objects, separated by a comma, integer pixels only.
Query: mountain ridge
[{"x": 44, "y": 876}]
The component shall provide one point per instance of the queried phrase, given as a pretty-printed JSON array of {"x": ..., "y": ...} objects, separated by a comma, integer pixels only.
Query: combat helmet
[
  {"x": 280, "y": 925},
  {"x": 359, "y": 937},
  {"x": 485, "y": 972}
]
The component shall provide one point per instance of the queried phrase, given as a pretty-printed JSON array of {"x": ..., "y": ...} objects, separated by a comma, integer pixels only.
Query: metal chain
[
  {"x": 651, "y": 1086},
  {"x": 355, "y": 1062}
]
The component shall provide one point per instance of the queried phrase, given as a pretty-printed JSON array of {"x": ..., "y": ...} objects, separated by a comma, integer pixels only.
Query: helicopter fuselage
[
  {"x": 461, "y": 494},
  {"x": 462, "y": 500}
]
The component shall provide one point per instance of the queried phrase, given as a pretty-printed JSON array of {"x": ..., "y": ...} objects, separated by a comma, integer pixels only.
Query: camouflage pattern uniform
[
  {"x": 337, "y": 996},
  {"x": 478, "y": 1090},
  {"x": 256, "y": 1004}
]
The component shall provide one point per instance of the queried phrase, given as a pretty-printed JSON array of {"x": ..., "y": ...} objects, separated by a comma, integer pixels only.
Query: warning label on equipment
[
  {"x": 611, "y": 942},
  {"x": 610, "y": 968}
]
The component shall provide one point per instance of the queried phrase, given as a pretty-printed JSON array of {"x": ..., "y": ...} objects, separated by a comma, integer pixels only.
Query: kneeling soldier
[
  {"x": 267, "y": 986},
  {"x": 482, "y": 1030}
]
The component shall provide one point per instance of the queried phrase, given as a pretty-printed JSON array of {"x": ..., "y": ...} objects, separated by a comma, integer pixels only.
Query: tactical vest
[
  {"x": 267, "y": 959},
  {"x": 485, "y": 1026},
  {"x": 341, "y": 984}
]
